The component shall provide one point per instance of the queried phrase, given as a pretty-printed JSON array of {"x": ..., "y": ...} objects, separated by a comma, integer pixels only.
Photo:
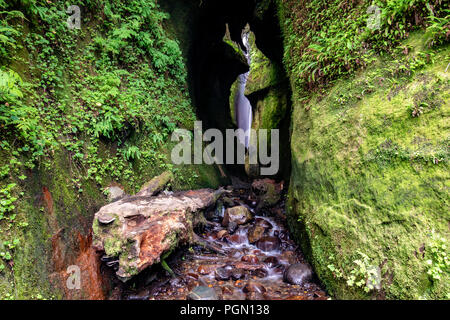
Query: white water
[{"x": 242, "y": 106}]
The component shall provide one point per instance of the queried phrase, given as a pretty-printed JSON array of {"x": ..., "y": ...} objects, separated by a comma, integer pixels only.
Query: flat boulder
[{"x": 239, "y": 215}]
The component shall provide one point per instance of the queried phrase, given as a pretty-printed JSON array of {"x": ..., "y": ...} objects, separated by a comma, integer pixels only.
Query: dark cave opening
[{"x": 213, "y": 65}]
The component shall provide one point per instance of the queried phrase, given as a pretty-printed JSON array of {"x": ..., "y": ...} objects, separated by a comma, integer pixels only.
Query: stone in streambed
[
  {"x": 222, "y": 233},
  {"x": 232, "y": 227},
  {"x": 255, "y": 233},
  {"x": 271, "y": 262},
  {"x": 263, "y": 223},
  {"x": 202, "y": 293},
  {"x": 260, "y": 273},
  {"x": 223, "y": 274},
  {"x": 254, "y": 296},
  {"x": 268, "y": 243},
  {"x": 250, "y": 258},
  {"x": 205, "y": 269},
  {"x": 298, "y": 273},
  {"x": 239, "y": 215},
  {"x": 237, "y": 274},
  {"x": 254, "y": 287}
]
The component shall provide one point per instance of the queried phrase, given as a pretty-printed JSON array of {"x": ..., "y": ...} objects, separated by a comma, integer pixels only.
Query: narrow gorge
[{"x": 92, "y": 205}]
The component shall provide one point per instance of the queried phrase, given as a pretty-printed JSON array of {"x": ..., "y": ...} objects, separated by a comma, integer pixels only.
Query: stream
[
  {"x": 242, "y": 104},
  {"x": 256, "y": 258}
]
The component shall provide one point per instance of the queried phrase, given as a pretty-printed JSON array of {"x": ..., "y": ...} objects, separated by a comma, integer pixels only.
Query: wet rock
[
  {"x": 237, "y": 238},
  {"x": 297, "y": 298},
  {"x": 144, "y": 295},
  {"x": 250, "y": 258},
  {"x": 239, "y": 215},
  {"x": 221, "y": 234},
  {"x": 223, "y": 274},
  {"x": 227, "y": 290},
  {"x": 263, "y": 223},
  {"x": 232, "y": 227},
  {"x": 205, "y": 269},
  {"x": 260, "y": 273},
  {"x": 271, "y": 262},
  {"x": 254, "y": 296},
  {"x": 289, "y": 256},
  {"x": 254, "y": 287},
  {"x": 268, "y": 191},
  {"x": 192, "y": 275},
  {"x": 202, "y": 293},
  {"x": 255, "y": 233},
  {"x": 237, "y": 274},
  {"x": 228, "y": 202},
  {"x": 248, "y": 266},
  {"x": 298, "y": 273},
  {"x": 268, "y": 243}
]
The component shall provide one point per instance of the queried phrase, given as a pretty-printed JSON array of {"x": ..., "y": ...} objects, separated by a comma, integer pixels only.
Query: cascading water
[{"x": 243, "y": 108}]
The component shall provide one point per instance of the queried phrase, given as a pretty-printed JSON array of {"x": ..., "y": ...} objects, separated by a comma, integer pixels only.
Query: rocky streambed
[{"x": 242, "y": 251}]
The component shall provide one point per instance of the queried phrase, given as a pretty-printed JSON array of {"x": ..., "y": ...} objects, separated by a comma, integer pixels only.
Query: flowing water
[
  {"x": 242, "y": 106},
  {"x": 244, "y": 270},
  {"x": 252, "y": 260}
]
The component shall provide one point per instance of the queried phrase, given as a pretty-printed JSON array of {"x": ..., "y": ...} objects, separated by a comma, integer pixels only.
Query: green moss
[
  {"x": 264, "y": 73},
  {"x": 369, "y": 176}
]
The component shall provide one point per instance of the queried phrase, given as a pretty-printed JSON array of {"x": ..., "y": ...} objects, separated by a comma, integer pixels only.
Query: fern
[{"x": 10, "y": 83}]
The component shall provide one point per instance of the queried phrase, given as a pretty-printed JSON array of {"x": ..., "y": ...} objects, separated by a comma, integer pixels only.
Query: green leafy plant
[
  {"x": 437, "y": 256},
  {"x": 7, "y": 200}
]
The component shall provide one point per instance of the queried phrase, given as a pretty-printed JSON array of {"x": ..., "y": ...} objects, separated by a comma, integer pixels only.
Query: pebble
[
  {"x": 250, "y": 258},
  {"x": 202, "y": 293},
  {"x": 223, "y": 274},
  {"x": 255, "y": 233},
  {"x": 254, "y": 287},
  {"x": 298, "y": 274}
]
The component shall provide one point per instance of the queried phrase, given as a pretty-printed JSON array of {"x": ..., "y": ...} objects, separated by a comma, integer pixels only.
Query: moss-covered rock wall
[
  {"x": 369, "y": 192},
  {"x": 82, "y": 110}
]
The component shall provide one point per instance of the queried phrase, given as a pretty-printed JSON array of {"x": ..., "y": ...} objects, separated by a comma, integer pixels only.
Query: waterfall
[{"x": 242, "y": 106}]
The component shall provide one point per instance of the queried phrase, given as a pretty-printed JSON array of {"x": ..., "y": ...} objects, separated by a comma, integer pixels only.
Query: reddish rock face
[
  {"x": 139, "y": 229},
  {"x": 92, "y": 282}
]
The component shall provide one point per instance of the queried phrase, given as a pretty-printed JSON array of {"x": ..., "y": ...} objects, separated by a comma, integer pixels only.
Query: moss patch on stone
[{"x": 369, "y": 176}]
